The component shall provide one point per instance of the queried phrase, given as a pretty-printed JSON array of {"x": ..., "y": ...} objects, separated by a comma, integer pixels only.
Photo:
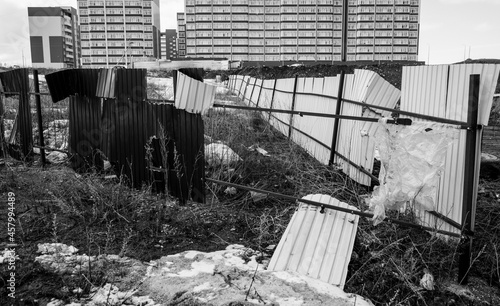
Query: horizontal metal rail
[
  {"x": 301, "y": 113},
  {"x": 346, "y": 210},
  {"x": 39, "y": 93},
  {"x": 51, "y": 149},
  {"x": 462, "y": 124},
  {"x": 10, "y": 93},
  {"x": 161, "y": 101}
]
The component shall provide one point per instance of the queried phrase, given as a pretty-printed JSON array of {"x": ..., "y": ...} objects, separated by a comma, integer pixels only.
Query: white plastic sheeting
[{"x": 412, "y": 160}]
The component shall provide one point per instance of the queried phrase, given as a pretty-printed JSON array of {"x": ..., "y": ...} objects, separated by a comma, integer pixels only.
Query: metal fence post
[
  {"x": 3, "y": 149},
  {"x": 469, "y": 207},
  {"x": 39, "y": 116},
  {"x": 294, "y": 97},
  {"x": 333, "y": 149},
  {"x": 253, "y": 88},
  {"x": 24, "y": 116},
  {"x": 246, "y": 87},
  {"x": 174, "y": 80},
  {"x": 241, "y": 85},
  {"x": 260, "y": 91},
  {"x": 272, "y": 98}
]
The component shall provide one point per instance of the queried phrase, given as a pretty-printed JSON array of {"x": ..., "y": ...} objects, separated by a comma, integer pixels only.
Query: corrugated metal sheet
[
  {"x": 319, "y": 128},
  {"x": 85, "y": 132},
  {"x": 355, "y": 140},
  {"x": 193, "y": 96},
  {"x": 317, "y": 244},
  {"x": 370, "y": 88},
  {"x": 185, "y": 162},
  {"x": 18, "y": 81},
  {"x": 65, "y": 83},
  {"x": 106, "y": 83},
  {"x": 121, "y": 128},
  {"x": 283, "y": 98},
  {"x": 442, "y": 91}
]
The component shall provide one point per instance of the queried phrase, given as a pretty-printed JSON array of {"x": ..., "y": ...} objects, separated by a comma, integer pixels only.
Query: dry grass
[{"x": 105, "y": 216}]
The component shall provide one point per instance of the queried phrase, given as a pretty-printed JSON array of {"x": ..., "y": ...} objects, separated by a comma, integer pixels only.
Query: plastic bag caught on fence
[{"x": 412, "y": 160}]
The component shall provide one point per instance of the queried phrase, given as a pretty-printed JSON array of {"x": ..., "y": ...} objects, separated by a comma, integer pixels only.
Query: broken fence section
[
  {"x": 121, "y": 125},
  {"x": 354, "y": 149}
]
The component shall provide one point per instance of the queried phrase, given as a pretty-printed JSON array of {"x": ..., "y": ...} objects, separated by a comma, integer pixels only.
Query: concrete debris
[
  {"x": 236, "y": 276},
  {"x": 220, "y": 154}
]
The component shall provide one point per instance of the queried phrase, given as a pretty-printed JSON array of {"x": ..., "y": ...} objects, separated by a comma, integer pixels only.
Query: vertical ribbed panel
[
  {"x": 314, "y": 134},
  {"x": 266, "y": 94},
  {"x": 319, "y": 129},
  {"x": 318, "y": 245},
  {"x": 356, "y": 138},
  {"x": 192, "y": 95},
  {"x": 106, "y": 83},
  {"x": 282, "y": 100},
  {"x": 443, "y": 91}
]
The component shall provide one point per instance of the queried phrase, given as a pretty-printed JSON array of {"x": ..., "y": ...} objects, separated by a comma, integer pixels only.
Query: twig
[{"x": 253, "y": 279}]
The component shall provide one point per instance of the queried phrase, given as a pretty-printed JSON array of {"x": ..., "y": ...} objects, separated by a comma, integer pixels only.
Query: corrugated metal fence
[
  {"x": 110, "y": 117},
  {"x": 443, "y": 91},
  {"x": 16, "y": 83},
  {"x": 355, "y": 146}
]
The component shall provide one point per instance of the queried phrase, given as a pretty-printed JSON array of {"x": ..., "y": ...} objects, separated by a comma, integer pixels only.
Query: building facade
[
  {"x": 54, "y": 37},
  {"x": 181, "y": 38},
  {"x": 119, "y": 32},
  {"x": 302, "y": 30},
  {"x": 169, "y": 44}
]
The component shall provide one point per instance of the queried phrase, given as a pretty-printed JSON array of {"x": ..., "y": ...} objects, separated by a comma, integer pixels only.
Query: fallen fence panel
[{"x": 318, "y": 242}]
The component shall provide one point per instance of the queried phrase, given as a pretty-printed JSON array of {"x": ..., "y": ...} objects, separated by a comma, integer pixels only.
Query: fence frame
[{"x": 466, "y": 228}]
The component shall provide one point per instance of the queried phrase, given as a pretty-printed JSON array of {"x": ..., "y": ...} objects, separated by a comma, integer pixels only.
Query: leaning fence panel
[
  {"x": 283, "y": 97},
  {"x": 355, "y": 147},
  {"x": 442, "y": 91},
  {"x": 316, "y": 132}
]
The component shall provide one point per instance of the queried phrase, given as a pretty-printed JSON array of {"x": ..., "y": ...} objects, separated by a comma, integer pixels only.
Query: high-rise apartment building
[
  {"x": 54, "y": 37},
  {"x": 181, "y": 36},
  {"x": 169, "y": 44},
  {"x": 302, "y": 30},
  {"x": 119, "y": 32}
]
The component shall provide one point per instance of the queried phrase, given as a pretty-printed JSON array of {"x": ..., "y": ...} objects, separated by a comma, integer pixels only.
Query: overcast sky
[{"x": 450, "y": 29}]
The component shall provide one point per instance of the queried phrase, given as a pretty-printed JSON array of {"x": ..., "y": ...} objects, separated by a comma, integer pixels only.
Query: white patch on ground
[
  {"x": 220, "y": 154},
  {"x": 218, "y": 278}
]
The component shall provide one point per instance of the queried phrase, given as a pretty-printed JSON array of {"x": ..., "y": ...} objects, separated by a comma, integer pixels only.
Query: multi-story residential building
[
  {"x": 181, "y": 38},
  {"x": 302, "y": 30},
  {"x": 54, "y": 37},
  {"x": 119, "y": 32},
  {"x": 169, "y": 44}
]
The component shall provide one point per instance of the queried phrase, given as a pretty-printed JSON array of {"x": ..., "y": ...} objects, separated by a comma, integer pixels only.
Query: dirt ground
[{"x": 104, "y": 216}]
